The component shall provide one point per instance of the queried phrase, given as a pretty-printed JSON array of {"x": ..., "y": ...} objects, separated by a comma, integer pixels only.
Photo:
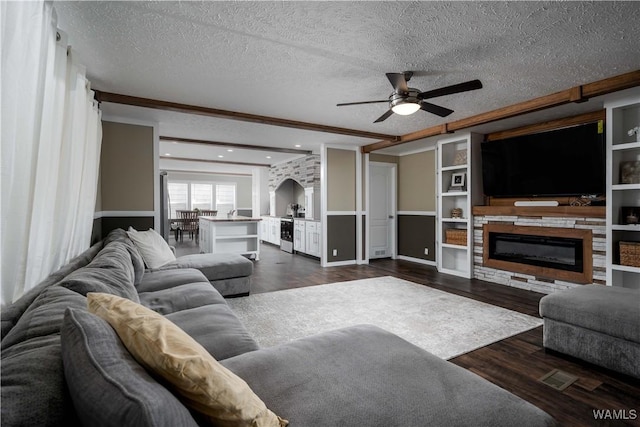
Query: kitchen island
[{"x": 235, "y": 234}]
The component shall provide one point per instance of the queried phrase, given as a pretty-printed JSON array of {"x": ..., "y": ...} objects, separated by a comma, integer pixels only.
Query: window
[
  {"x": 178, "y": 197},
  {"x": 200, "y": 195},
  {"x": 225, "y": 198}
]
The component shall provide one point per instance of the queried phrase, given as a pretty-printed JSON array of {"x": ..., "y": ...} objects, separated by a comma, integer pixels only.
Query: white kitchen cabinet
[
  {"x": 205, "y": 237},
  {"x": 308, "y": 203},
  {"x": 299, "y": 235},
  {"x": 270, "y": 230},
  {"x": 313, "y": 233},
  {"x": 274, "y": 230},
  {"x": 234, "y": 236},
  {"x": 265, "y": 229},
  {"x": 272, "y": 203}
]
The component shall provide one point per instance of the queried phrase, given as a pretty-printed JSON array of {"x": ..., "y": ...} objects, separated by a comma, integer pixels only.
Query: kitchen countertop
[{"x": 230, "y": 219}]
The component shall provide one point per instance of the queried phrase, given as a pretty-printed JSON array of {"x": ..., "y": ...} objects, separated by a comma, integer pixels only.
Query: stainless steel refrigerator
[{"x": 164, "y": 206}]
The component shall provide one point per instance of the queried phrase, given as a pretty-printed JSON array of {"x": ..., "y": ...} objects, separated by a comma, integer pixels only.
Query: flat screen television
[{"x": 563, "y": 162}]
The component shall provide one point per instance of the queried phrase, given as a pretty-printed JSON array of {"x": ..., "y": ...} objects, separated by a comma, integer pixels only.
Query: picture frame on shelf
[
  {"x": 630, "y": 172},
  {"x": 458, "y": 181},
  {"x": 630, "y": 215}
]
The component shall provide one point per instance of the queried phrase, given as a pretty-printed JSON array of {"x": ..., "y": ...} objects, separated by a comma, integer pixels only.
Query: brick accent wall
[
  {"x": 305, "y": 171},
  {"x": 532, "y": 283}
]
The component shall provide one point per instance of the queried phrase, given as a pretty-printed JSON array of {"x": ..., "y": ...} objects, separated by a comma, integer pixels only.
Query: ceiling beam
[
  {"x": 199, "y": 172},
  {"x": 234, "y": 115},
  {"x": 187, "y": 159},
  {"x": 581, "y": 119},
  {"x": 576, "y": 94},
  {"x": 236, "y": 145}
]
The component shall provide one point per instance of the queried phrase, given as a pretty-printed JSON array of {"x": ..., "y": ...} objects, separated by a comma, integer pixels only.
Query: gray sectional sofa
[
  {"x": 596, "y": 323},
  {"x": 63, "y": 366}
]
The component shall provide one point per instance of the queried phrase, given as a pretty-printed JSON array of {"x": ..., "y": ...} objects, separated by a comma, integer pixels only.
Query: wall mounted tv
[{"x": 563, "y": 162}]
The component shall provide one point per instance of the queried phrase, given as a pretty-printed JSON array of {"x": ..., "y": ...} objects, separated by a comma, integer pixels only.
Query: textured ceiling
[{"x": 296, "y": 60}]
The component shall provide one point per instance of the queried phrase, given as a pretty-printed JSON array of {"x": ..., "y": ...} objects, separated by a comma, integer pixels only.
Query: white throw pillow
[{"x": 154, "y": 249}]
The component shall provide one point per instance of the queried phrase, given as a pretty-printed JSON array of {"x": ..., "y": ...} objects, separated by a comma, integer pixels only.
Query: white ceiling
[{"x": 296, "y": 60}]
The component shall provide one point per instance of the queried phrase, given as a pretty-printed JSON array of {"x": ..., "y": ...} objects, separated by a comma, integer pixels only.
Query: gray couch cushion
[
  {"x": 159, "y": 280},
  {"x": 611, "y": 310},
  {"x": 120, "y": 235},
  {"x": 214, "y": 266},
  {"x": 181, "y": 297},
  {"x": 389, "y": 382},
  {"x": 216, "y": 328},
  {"x": 107, "y": 385},
  {"x": 33, "y": 389},
  {"x": 11, "y": 314},
  {"x": 111, "y": 272},
  {"x": 238, "y": 286},
  {"x": 44, "y": 316}
]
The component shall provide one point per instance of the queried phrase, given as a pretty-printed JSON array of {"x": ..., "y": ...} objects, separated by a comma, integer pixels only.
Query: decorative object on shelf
[
  {"x": 630, "y": 254},
  {"x": 460, "y": 158},
  {"x": 630, "y": 172},
  {"x": 456, "y": 213},
  {"x": 457, "y": 181},
  {"x": 456, "y": 236},
  {"x": 630, "y": 215},
  {"x": 635, "y": 131}
]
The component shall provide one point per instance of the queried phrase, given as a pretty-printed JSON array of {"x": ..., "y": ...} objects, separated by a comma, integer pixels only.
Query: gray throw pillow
[{"x": 107, "y": 385}]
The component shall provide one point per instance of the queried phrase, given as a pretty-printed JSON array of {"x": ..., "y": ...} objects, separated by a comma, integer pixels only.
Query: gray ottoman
[
  {"x": 365, "y": 376},
  {"x": 230, "y": 274},
  {"x": 599, "y": 324}
]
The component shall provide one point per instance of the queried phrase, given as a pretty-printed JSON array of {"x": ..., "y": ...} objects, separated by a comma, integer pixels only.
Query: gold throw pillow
[{"x": 165, "y": 349}]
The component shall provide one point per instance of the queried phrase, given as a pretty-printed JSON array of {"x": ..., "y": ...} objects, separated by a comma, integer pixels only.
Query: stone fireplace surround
[{"x": 528, "y": 281}]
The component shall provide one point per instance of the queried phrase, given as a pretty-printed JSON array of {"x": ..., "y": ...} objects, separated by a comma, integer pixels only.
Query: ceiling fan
[{"x": 406, "y": 100}]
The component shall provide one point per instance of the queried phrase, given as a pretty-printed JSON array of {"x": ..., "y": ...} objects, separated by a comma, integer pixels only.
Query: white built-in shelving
[
  {"x": 457, "y": 155},
  {"x": 622, "y": 193}
]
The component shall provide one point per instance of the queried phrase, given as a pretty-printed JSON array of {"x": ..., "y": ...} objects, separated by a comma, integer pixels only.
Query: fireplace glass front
[{"x": 553, "y": 252}]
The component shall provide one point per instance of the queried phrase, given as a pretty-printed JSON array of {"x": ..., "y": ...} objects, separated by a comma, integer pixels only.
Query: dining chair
[{"x": 188, "y": 221}]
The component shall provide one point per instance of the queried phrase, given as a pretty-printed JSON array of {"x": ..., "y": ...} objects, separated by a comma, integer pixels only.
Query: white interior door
[{"x": 381, "y": 210}]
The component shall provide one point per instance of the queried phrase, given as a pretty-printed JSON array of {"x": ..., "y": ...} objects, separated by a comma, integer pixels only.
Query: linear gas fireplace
[
  {"x": 556, "y": 253},
  {"x": 553, "y": 252}
]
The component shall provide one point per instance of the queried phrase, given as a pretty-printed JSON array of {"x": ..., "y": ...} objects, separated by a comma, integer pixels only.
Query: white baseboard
[
  {"x": 417, "y": 260},
  {"x": 339, "y": 263}
]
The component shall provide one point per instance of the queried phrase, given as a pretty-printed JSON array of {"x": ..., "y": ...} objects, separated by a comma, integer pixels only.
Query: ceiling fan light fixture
[{"x": 405, "y": 108}]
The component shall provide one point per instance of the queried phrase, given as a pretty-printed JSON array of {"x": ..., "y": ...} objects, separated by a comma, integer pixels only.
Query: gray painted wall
[
  {"x": 341, "y": 235},
  {"x": 415, "y": 233}
]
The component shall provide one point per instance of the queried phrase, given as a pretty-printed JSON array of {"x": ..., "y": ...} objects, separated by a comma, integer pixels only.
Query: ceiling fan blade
[
  {"x": 448, "y": 90},
  {"x": 435, "y": 109},
  {"x": 384, "y": 117},
  {"x": 363, "y": 102},
  {"x": 398, "y": 81}
]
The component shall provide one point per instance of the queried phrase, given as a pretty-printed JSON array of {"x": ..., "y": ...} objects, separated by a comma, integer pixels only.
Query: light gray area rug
[{"x": 444, "y": 324}]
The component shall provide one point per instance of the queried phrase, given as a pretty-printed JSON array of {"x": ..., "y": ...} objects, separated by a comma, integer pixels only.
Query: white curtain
[{"x": 51, "y": 134}]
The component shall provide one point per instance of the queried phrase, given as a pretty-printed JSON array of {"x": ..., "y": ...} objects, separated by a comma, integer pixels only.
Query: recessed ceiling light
[
  {"x": 297, "y": 146},
  {"x": 220, "y": 156},
  {"x": 268, "y": 157},
  {"x": 167, "y": 154},
  {"x": 230, "y": 150}
]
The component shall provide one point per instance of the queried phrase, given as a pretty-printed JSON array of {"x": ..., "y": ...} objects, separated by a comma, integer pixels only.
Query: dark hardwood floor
[{"x": 514, "y": 364}]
